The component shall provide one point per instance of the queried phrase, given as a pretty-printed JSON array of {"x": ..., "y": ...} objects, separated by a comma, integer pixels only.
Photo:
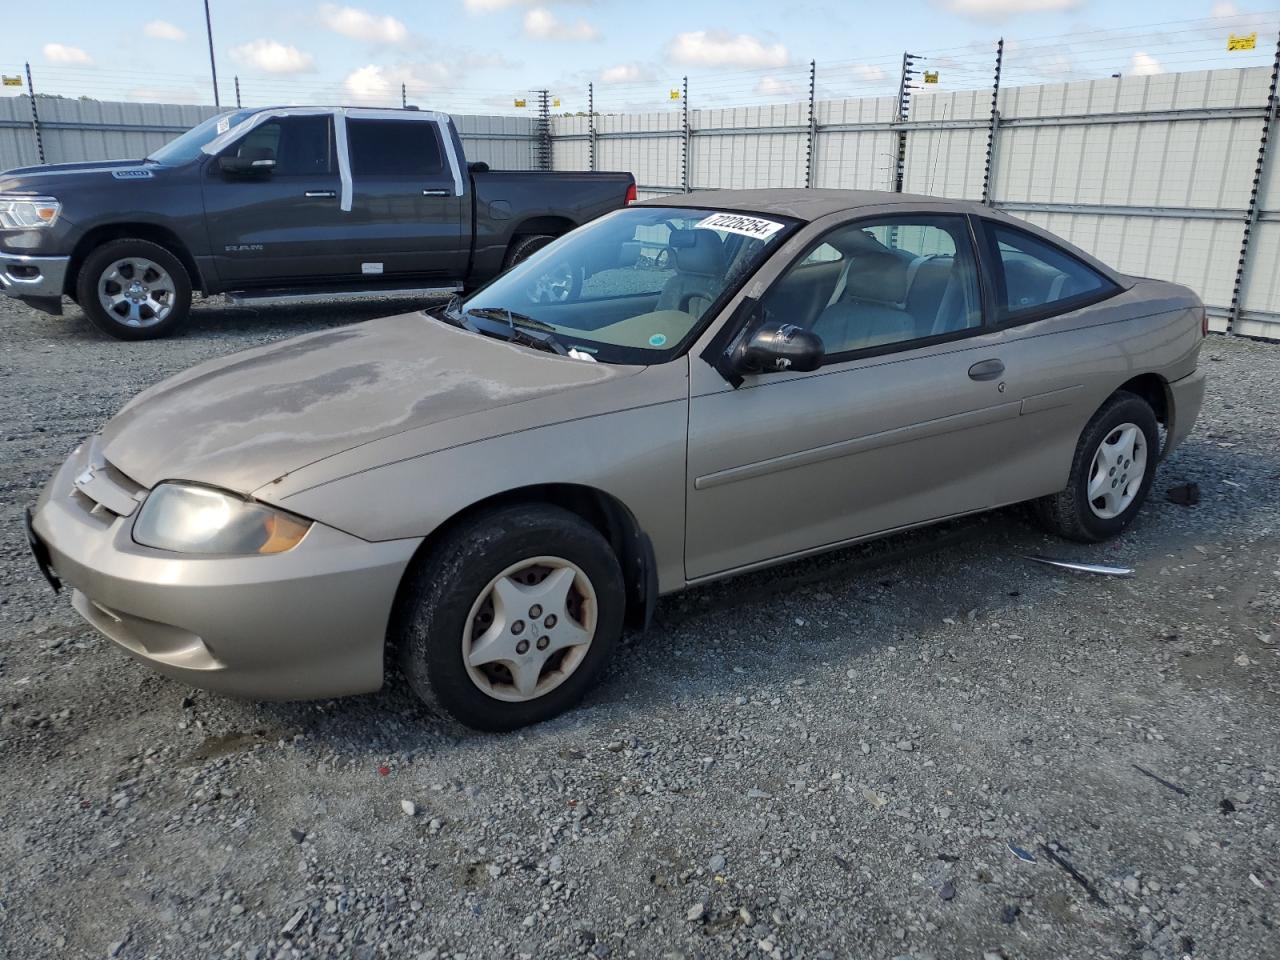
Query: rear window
[{"x": 394, "y": 148}]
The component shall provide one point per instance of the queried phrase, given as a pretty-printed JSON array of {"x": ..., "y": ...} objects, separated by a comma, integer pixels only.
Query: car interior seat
[{"x": 699, "y": 260}]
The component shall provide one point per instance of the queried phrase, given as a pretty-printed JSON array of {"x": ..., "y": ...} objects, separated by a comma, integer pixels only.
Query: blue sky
[{"x": 477, "y": 55}]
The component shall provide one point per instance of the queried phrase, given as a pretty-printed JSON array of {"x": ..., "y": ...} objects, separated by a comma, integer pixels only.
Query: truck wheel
[
  {"x": 558, "y": 283},
  {"x": 511, "y": 618},
  {"x": 1114, "y": 464},
  {"x": 134, "y": 290}
]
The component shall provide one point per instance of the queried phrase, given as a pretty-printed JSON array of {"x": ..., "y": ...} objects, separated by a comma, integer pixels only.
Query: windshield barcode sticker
[
  {"x": 737, "y": 223},
  {"x": 224, "y": 125}
]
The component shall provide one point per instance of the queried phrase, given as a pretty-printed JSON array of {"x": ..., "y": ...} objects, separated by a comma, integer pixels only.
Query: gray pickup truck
[{"x": 280, "y": 205}]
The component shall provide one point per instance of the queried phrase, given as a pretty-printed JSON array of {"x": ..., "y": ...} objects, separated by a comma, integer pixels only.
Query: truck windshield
[
  {"x": 186, "y": 148},
  {"x": 637, "y": 285}
]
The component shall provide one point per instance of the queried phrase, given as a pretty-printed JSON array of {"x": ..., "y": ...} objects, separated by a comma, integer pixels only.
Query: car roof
[{"x": 805, "y": 203}]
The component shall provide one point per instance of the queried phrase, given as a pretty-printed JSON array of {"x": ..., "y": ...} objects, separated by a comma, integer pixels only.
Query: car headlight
[
  {"x": 187, "y": 518},
  {"x": 25, "y": 213}
]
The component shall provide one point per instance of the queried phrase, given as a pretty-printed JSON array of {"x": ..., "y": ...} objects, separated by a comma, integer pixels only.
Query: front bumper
[
  {"x": 37, "y": 281},
  {"x": 305, "y": 624}
]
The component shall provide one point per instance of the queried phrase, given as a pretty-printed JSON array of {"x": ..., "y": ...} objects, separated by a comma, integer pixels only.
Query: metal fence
[
  {"x": 1160, "y": 175},
  {"x": 64, "y": 130}
]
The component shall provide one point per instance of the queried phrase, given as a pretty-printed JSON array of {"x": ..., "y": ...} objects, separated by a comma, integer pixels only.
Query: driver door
[
  {"x": 283, "y": 223},
  {"x": 902, "y": 423}
]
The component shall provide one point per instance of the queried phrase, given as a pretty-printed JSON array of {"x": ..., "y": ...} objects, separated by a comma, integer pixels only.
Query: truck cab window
[
  {"x": 394, "y": 148},
  {"x": 301, "y": 146}
]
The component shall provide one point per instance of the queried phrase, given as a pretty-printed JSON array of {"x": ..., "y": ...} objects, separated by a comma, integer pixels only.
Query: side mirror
[
  {"x": 773, "y": 347},
  {"x": 254, "y": 162}
]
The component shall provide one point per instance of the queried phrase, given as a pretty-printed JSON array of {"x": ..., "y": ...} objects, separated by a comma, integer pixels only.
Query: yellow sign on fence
[
  {"x": 521, "y": 103},
  {"x": 1248, "y": 42},
  {"x": 12, "y": 81},
  {"x": 931, "y": 76},
  {"x": 555, "y": 102},
  {"x": 675, "y": 94}
]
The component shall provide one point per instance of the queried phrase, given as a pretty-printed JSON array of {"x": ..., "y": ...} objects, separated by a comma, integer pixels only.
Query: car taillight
[{"x": 631, "y": 194}]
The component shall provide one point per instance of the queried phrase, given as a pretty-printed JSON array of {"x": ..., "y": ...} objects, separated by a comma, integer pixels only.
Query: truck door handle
[
  {"x": 322, "y": 193},
  {"x": 986, "y": 370},
  {"x": 437, "y": 193}
]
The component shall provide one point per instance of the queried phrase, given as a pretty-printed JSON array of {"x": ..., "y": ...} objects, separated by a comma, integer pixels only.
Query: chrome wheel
[
  {"x": 529, "y": 629},
  {"x": 554, "y": 286},
  {"x": 1119, "y": 464},
  {"x": 136, "y": 292}
]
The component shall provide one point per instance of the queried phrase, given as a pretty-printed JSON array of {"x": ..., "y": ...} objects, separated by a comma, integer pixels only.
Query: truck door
[
  {"x": 280, "y": 222},
  {"x": 407, "y": 208}
]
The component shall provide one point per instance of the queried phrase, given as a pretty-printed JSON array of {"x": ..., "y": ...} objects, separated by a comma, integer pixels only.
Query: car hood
[
  {"x": 48, "y": 176},
  {"x": 245, "y": 420}
]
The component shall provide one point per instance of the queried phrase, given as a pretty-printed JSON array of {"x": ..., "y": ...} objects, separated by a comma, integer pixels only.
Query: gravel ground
[{"x": 837, "y": 758}]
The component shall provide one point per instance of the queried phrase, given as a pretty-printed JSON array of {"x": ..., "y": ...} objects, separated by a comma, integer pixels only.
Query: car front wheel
[
  {"x": 509, "y": 620},
  {"x": 1113, "y": 467},
  {"x": 134, "y": 290}
]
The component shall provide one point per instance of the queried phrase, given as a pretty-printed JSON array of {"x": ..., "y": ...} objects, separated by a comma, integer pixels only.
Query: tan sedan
[{"x": 680, "y": 391}]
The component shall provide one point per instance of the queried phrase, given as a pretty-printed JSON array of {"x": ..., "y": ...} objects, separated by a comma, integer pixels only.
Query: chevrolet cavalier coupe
[{"x": 682, "y": 390}]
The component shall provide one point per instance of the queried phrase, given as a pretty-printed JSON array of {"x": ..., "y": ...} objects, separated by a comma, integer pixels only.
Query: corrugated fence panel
[
  {"x": 855, "y": 159},
  {"x": 570, "y": 148},
  {"x": 646, "y": 144},
  {"x": 948, "y": 162},
  {"x": 505, "y": 143},
  {"x": 17, "y": 142},
  {"x": 769, "y": 152},
  {"x": 75, "y": 130}
]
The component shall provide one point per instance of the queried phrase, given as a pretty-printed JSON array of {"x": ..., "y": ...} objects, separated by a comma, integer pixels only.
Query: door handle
[
  {"x": 437, "y": 193},
  {"x": 986, "y": 370},
  {"x": 321, "y": 193}
]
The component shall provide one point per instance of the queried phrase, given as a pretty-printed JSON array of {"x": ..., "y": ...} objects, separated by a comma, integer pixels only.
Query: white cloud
[
  {"x": 376, "y": 85},
  {"x": 1145, "y": 65},
  {"x": 163, "y": 30},
  {"x": 541, "y": 24},
  {"x": 1224, "y": 9},
  {"x": 869, "y": 72},
  {"x": 488, "y": 6},
  {"x": 61, "y": 53},
  {"x": 998, "y": 9},
  {"x": 773, "y": 87},
  {"x": 715, "y": 48},
  {"x": 362, "y": 25},
  {"x": 273, "y": 57},
  {"x": 626, "y": 73}
]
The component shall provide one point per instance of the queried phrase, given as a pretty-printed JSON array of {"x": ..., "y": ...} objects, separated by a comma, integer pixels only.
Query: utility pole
[
  {"x": 993, "y": 128},
  {"x": 904, "y": 110},
  {"x": 237, "y": 79},
  {"x": 35, "y": 115},
  {"x": 684, "y": 142},
  {"x": 813, "y": 124},
  {"x": 591, "y": 124},
  {"x": 544, "y": 129},
  {"x": 213, "y": 64}
]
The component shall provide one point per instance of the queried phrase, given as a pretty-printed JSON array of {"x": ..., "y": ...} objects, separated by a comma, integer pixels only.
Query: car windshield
[
  {"x": 187, "y": 147},
  {"x": 634, "y": 286}
]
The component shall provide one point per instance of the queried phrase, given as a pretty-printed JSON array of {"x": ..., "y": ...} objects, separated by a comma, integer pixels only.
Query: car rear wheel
[
  {"x": 134, "y": 290},
  {"x": 1111, "y": 472},
  {"x": 509, "y": 620}
]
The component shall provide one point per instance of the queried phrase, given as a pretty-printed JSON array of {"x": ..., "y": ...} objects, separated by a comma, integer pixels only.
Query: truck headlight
[
  {"x": 25, "y": 213},
  {"x": 188, "y": 518}
]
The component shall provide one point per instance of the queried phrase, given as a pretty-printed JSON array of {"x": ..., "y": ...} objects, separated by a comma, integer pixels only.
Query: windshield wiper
[
  {"x": 518, "y": 328},
  {"x": 512, "y": 318}
]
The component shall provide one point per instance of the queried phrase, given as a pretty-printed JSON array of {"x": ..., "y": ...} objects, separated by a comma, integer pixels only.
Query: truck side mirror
[{"x": 261, "y": 161}]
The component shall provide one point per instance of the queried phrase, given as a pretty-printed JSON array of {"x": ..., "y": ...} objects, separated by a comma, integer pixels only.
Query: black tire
[
  {"x": 1069, "y": 513},
  {"x": 442, "y": 586},
  {"x": 101, "y": 259},
  {"x": 522, "y": 248},
  {"x": 562, "y": 282}
]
